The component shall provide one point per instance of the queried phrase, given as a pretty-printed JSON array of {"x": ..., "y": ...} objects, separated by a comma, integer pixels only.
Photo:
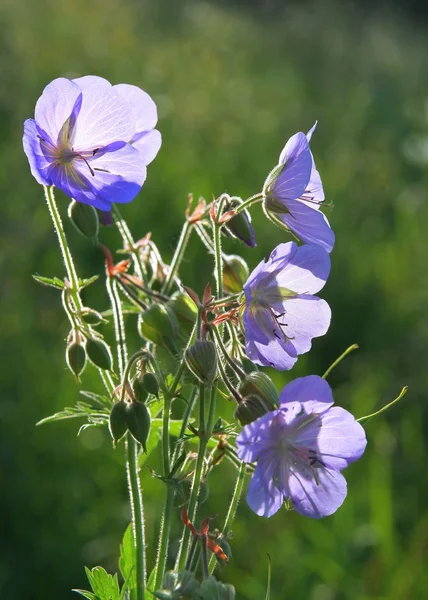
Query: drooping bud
[
  {"x": 139, "y": 391},
  {"x": 75, "y": 357},
  {"x": 117, "y": 421},
  {"x": 261, "y": 385},
  {"x": 138, "y": 420},
  {"x": 85, "y": 219},
  {"x": 92, "y": 317},
  {"x": 251, "y": 408},
  {"x": 211, "y": 589},
  {"x": 240, "y": 226},
  {"x": 201, "y": 359},
  {"x": 184, "y": 309},
  {"x": 99, "y": 354},
  {"x": 150, "y": 384},
  {"x": 248, "y": 365},
  {"x": 159, "y": 325},
  {"x": 225, "y": 546},
  {"x": 235, "y": 273}
]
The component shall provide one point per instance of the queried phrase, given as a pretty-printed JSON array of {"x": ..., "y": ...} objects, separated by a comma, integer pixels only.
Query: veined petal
[
  {"x": 312, "y": 392},
  {"x": 305, "y": 318},
  {"x": 313, "y": 196},
  {"x": 148, "y": 145},
  {"x": 263, "y": 496},
  {"x": 55, "y": 105},
  {"x": 118, "y": 176},
  {"x": 89, "y": 81},
  {"x": 40, "y": 165},
  {"x": 255, "y": 438},
  {"x": 276, "y": 353},
  {"x": 340, "y": 440},
  {"x": 306, "y": 269},
  {"x": 310, "y": 225},
  {"x": 143, "y": 108},
  {"x": 294, "y": 177},
  {"x": 104, "y": 118},
  {"x": 319, "y": 496}
]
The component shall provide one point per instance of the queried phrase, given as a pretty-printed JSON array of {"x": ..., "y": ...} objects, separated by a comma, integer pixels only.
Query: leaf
[
  {"x": 127, "y": 559},
  {"x": 97, "y": 399},
  {"x": 148, "y": 594},
  {"x": 105, "y": 586},
  {"x": 82, "y": 409},
  {"x": 51, "y": 282},
  {"x": 86, "y": 594},
  {"x": 85, "y": 282}
]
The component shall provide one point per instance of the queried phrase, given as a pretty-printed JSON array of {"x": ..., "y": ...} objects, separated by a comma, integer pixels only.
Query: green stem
[
  {"x": 65, "y": 250},
  {"x": 129, "y": 240},
  {"x": 341, "y": 357},
  {"x": 119, "y": 327},
  {"x": 164, "y": 537},
  {"x": 136, "y": 501},
  {"x": 217, "y": 250},
  {"x": 237, "y": 492},
  {"x": 178, "y": 256},
  {"x": 249, "y": 201}
]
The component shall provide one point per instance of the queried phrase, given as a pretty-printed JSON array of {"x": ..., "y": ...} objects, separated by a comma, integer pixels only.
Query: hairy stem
[{"x": 178, "y": 256}]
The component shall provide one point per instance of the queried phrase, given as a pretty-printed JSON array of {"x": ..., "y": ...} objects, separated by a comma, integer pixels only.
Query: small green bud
[
  {"x": 140, "y": 392},
  {"x": 184, "y": 309},
  {"x": 225, "y": 546},
  {"x": 240, "y": 226},
  {"x": 138, "y": 420},
  {"x": 92, "y": 317},
  {"x": 159, "y": 325},
  {"x": 75, "y": 357},
  {"x": 235, "y": 273},
  {"x": 251, "y": 408},
  {"x": 249, "y": 366},
  {"x": 117, "y": 421},
  {"x": 99, "y": 354},
  {"x": 201, "y": 359},
  {"x": 260, "y": 384},
  {"x": 84, "y": 218},
  {"x": 150, "y": 384}
]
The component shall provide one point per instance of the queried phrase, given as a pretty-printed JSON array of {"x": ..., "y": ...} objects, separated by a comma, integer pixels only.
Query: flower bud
[
  {"x": 92, "y": 317},
  {"x": 140, "y": 392},
  {"x": 85, "y": 219},
  {"x": 240, "y": 226},
  {"x": 158, "y": 324},
  {"x": 211, "y": 589},
  {"x": 138, "y": 420},
  {"x": 99, "y": 354},
  {"x": 184, "y": 309},
  {"x": 235, "y": 273},
  {"x": 201, "y": 359},
  {"x": 225, "y": 546},
  {"x": 248, "y": 365},
  {"x": 251, "y": 408},
  {"x": 117, "y": 422},
  {"x": 75, "y": 357},
  {"x": 259, "y": 384},
  {"x": 150, "y": 384}
]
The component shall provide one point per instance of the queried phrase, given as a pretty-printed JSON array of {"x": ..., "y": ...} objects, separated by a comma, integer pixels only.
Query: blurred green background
[{"x": 232, "y": 82}]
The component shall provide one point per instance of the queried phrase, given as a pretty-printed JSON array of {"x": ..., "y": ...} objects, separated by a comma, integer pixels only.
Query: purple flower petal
[
  {"x": 148, "y": 144},
  {"x": 55, "y": 105},
  {"x": 263, "y": 496},
  {"x": 312, "y": 392},
  {"x": 144, "y": 109},
  {"x": 104, "y": 118},
  {"x": 305, "y": 317},
  {"x": 311, "y": 226},
  {"x": 89, "y": 81},
  {"x": 316, "y": 497},
  {"x": 39, "y": 165},
  {"x": 292, "y": 181},
  {"x": 254, "y": 438},
  {"x": 305, "y": 268}
]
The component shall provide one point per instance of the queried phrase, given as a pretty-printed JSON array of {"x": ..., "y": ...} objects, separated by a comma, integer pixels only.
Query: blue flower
[
  {"x": 92, "y": 140},
  {"x": 300, "y": 450}
]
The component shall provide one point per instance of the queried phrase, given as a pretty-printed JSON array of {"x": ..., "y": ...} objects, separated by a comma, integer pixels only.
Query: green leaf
[
  {"x": 105, "y": 586},
  {"x": 156, "y": 434},
  {"x": 85, "y": 282},
  {"x": 148, "y": 593},
  {"x": 86, "y": 594},
  {"x": 127, "y": 559},
  {"x": 82, "y": 409},
  {"x": 51, "y": 282},
  {"x": 97, "y": 399}
]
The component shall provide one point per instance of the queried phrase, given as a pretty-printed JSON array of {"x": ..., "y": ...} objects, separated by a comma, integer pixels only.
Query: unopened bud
[
  {"x": 138, "y": 420},
  {"x": 117, "y": 421},
  {"x": 84, "y": 218},
  {"x": 75, "y": 357},
  {"x": 184, "y": 309},
  {"x": 99, "y": 354},
  {"x": 201, "y": 359},
  {"x": 140, "y": 392},
  {"x": 158, "y": 324},
  {"x": 248, "y": 365},
  {"x": 92, "y": 317},
  {"x": 251, "y": 408},
  {"x": 240, "y": 226},
  {"x": 235, "y": 273},
  {"x": 150, "y": 384},
  {"x": 225, "y": 546},
  {"x": 261, "y": 385}
]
